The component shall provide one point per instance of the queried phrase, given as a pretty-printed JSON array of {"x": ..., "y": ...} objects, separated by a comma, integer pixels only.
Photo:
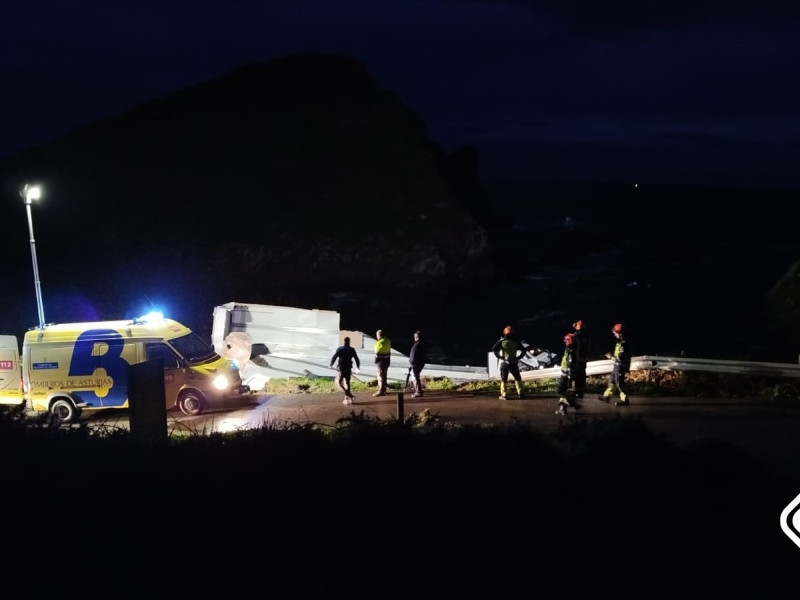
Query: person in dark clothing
[
  {"x": 581, "y": 347},
  {"x": 622, "y": 364},
  {"x": 567, "y": 365},
  {"x": 417, "y": 357},
  {"x": 508, "y": 350},
  {"x": 346, "y": 355}
]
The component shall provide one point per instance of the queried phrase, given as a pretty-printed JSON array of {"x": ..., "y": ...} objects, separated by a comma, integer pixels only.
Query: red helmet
[
  {"x": 569, "y": 338},
  {"x": 617, "y": 328},
  {"x": 507, "y": 330}
]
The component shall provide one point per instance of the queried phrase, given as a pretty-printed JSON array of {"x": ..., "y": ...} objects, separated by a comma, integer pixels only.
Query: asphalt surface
[{"x": 767, "y": 432}]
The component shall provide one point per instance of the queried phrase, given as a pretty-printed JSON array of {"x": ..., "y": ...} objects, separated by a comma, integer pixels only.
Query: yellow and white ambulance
[
  {"x": 10, "y": 371},
  {"x": 70, "y": 368}
]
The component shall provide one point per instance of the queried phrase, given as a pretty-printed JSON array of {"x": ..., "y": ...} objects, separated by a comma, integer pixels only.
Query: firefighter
[
  {"x": 567, "y": 365},
  {"x": 581, "y": 344},
  {"x": 622, "y": 364},
  {"x": 508, "y": 350}
]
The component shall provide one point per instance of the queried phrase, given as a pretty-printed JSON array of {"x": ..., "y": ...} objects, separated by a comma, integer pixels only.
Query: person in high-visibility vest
[
  {"x": 508, "y": 350},
  {"x": 622, "y": 364},
  {"x": 567, "y": 365},
  {"x": 383, "y": 355}
]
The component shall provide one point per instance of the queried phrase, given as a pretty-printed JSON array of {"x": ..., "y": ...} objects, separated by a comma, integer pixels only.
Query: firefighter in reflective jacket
[
  {"x": 622, "y": 364},
  {"x": 508, "y": 350},
  {"x": 568, "y": 364}
]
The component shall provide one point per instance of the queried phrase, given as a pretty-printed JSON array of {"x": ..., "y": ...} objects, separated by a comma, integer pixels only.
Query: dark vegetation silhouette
[{"x": 389, "y": 508}]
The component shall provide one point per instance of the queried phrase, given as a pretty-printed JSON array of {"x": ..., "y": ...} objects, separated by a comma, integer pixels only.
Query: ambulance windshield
[{"x": 193, "y": 348}]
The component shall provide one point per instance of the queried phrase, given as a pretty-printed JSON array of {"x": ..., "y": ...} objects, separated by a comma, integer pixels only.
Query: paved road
[{"x": 767, "y": 432}]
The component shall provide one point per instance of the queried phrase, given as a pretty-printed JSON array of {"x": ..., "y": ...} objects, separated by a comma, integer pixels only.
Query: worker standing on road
[
  {"x": 567, "y": 365},
  {"x": 508, "y": 351},
  {"x": 622, "y": 364},
  {"x": 346, "y": 355},
  {"x": 417, "y": 357},
  {"x": 580, "y": 345},
  {"x": 383, "y": 355}
]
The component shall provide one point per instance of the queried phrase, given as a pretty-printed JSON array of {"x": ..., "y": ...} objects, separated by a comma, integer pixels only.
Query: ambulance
[
  {"x": 71, "y": 368},
  {"x": 10, "y": 371}
]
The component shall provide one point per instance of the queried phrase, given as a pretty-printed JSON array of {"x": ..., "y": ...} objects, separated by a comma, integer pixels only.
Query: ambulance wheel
[
  {"x": 65, "y": 411},
  {"x": 191, "y": 403}
]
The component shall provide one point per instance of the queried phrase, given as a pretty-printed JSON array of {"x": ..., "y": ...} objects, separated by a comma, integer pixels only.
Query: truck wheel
[
  {"x": 191, "y": 403},
  {"x": 64, "y": 411}
]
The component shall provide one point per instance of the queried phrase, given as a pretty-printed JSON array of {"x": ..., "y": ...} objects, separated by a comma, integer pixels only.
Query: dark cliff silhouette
[{"x": 278, "y": 179}]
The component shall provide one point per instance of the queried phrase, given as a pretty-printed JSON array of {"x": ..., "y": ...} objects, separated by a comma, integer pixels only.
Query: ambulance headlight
[{"x": 221, "y": 382}]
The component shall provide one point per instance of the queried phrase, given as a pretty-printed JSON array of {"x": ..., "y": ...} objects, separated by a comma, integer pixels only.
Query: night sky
[{"x": 673, "y": 92}]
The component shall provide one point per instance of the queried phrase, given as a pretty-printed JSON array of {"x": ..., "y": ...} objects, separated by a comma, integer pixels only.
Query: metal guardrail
[
  {"x": 675, "y": 363},
  {"x": 281, "y": 367}
]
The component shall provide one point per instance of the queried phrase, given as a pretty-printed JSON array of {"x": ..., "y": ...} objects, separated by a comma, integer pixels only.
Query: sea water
[{"x": 686, "y": 272}]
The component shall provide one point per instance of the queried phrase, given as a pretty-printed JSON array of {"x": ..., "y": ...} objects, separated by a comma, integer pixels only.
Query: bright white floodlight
[{"x": 29, "y": 193}]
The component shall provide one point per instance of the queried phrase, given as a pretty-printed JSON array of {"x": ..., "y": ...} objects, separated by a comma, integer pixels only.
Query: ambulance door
[
  {"x": 173, "y": 369},
  {"x": 10, "y": 371}
]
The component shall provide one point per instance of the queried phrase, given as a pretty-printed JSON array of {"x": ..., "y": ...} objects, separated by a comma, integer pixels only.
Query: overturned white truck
[{"x": 268, "y": 341}]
